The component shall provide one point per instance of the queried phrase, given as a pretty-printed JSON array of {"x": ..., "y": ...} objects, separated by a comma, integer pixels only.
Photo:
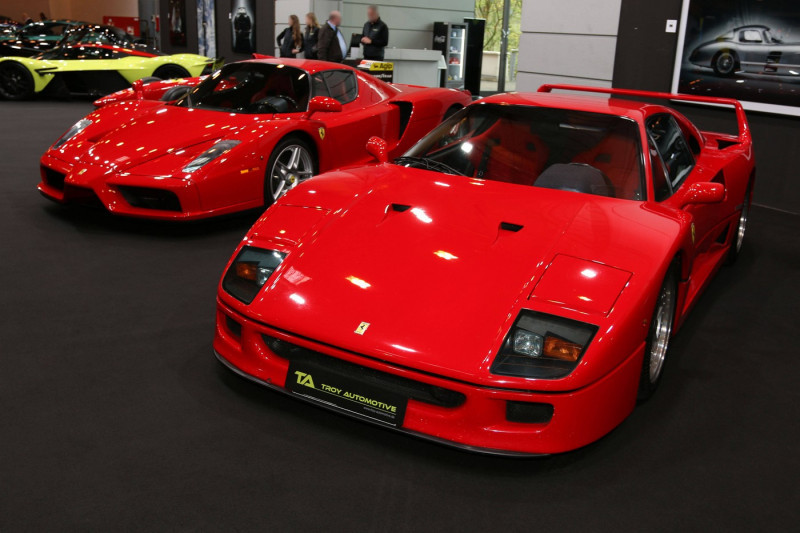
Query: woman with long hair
[
  {"x": 290, "y": 41},
  {"x": 311, "y": 35}
]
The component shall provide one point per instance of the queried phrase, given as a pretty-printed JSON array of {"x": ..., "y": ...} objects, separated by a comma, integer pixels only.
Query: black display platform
[{"x": 114, "y": 414}]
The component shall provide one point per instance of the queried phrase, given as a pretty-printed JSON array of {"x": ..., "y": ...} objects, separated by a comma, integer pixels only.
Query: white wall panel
[
  {"x": 569, "y": 41},
  {"x": 590, "y": 17}
]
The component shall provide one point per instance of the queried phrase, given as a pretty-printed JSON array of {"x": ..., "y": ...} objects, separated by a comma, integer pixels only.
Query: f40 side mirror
[
  {"x": 324, "y": 104},
  {"x": 378, "y": 148},
  {"x": 704, "y": 193}
]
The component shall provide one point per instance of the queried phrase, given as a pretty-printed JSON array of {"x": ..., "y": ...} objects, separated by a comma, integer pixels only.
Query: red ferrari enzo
[
  {"x": 238, "y": 140},
  {"x": 509, "y": 285}
]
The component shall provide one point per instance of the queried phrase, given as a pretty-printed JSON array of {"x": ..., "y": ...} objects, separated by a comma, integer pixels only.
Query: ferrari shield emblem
[
  {"x": 362, "y": 328},
  {"x": 321, "y": 133},
  {"x": 693, "y": 233}
]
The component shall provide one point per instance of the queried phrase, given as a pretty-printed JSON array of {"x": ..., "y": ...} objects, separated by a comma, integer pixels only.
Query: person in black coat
[
  {"x": 331, "y": 45},
  {"x": 375, "y": 35},
  {"x": 311, "y": 36},
  {"x": 290, "y": 41}
]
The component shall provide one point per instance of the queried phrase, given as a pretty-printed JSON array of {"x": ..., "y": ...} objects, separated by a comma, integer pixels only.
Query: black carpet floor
[{"x": 114, "y": 414}]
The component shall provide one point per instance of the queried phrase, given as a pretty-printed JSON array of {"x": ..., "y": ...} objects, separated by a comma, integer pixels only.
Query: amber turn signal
[
  {"x": 247, "y": 270},
  {"x": 561, "y": 349}
]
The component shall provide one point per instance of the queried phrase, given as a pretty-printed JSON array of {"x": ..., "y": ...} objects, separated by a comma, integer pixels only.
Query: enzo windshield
[
  {"x": 256, "y": 88},
  {"x": 542, "y": 147}
]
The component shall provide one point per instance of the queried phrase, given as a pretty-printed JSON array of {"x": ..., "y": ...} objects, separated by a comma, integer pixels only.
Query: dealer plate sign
[{"x": 342, "y": 392}]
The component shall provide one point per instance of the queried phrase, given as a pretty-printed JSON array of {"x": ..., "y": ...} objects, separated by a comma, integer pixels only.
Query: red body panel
[
  {"x": 440, "y": 283},
  {"x": 136, "y": 140}
]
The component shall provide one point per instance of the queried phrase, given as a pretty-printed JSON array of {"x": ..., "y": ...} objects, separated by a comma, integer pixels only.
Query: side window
[
  {"x": 661, "y": 187},
  {"x": 338, "y": 84},
  {"x": 750, "y": 36},
  {"x": 672, "y": 150}
]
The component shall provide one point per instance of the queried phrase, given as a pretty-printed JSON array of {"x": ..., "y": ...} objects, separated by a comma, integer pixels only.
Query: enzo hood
[
  {"x": 157, "y": 132},
  {"x": 435, "y": 265}
]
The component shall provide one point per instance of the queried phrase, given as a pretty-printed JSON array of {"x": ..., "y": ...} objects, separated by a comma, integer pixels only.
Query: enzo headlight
[
  {"x": 542, "y": 346},
  {"x": 250, "y": 271},
  {"x": 209, "y": 155},
  {"x": 79, "y": 126}
]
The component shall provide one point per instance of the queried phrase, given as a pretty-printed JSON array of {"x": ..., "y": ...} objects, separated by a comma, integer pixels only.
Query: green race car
[{"x": 94, "y": 60}]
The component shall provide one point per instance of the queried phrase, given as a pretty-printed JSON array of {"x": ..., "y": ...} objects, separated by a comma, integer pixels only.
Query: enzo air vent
[{"x": 400, "y": 208}]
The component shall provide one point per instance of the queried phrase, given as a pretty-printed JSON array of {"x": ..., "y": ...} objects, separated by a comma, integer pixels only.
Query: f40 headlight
[
  {"x": 209, "y": 155},
  {"x": 250, "y": 271},
  {"x": 542, "y": 346},
  {"x": 78, "y": 127}
]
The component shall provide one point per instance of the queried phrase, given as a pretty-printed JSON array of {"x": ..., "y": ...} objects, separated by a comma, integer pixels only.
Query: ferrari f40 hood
[{"x": 437, "y": 266}]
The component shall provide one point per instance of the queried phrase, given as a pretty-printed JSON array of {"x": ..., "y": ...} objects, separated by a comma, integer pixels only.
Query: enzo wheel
[
  {"x": 741, "y": 226},
  {"x": 660, "y": 334},
  {"x": 171, "y": 72},
  {"x": 724, "y": 63},
  {"x": 290, "y": 163},
  {"x": 16, "y": 82}
]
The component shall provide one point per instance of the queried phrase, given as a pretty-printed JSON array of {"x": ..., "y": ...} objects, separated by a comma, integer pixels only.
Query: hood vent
[
  {"x": 400, "y": 208},
  {"x": 509, "y": 226}
]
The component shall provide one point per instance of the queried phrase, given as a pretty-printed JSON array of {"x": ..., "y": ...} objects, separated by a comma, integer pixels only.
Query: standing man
[
  {"x": 375, "y": 35},
  {"x": 331, "y": 45}
]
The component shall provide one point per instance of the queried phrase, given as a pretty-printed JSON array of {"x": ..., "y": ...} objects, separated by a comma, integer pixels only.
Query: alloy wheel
[
  {"x": 292, "y": 166},
  {"x": 664, "y": 316}
]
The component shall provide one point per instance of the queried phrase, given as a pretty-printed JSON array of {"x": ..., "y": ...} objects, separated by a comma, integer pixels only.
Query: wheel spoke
[
  {"x": 279, "y": 190},
  {"x": 293, "y": 161}
]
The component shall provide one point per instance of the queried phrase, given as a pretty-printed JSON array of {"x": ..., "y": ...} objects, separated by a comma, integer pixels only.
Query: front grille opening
[
  {"x": 415, "y": 390},
  {"x": 82, "y": 196},
  {"x": 149, "y": 198},
  {"x": 53, "y": 178},
  {"x": 529, "y": 412},
  {"x": 233, "y": 327}
]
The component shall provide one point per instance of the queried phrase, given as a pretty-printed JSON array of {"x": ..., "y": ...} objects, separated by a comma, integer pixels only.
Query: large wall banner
[
  {"x": 177, "y": 22},
  {"x": 743, "y": 49},
  {"x": 243, "y": 21},
  {"x": 206, "y": 29}
]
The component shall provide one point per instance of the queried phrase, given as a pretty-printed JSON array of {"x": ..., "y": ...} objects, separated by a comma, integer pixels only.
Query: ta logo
[
  {"x": 362, "y": 328},
  {"x": 304, "y": 379}
]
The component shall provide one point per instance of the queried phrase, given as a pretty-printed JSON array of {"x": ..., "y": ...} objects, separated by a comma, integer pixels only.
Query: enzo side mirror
[
  {"x": 704, "y": 193},
  {"x": 378, "y": 148},
  {"x": 324, "y": 104}
]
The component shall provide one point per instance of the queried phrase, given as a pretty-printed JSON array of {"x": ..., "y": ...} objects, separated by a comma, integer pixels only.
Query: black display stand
[{"x": 473, "y": 63}]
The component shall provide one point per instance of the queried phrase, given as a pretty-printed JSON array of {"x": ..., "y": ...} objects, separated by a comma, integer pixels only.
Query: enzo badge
[
  {"x": 321, "y": 133},
  {"x": 362, "y": 328}
]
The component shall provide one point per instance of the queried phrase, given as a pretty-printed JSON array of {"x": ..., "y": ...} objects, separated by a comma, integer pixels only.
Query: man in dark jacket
[
  {"x": 331, "y": 45},
  {"x": 375, "y": 35}
]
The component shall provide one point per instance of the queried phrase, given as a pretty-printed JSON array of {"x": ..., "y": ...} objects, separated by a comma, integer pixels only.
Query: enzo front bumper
[
  {"x": 485, "y": 419},
  {"x": 164, "y": 198}
]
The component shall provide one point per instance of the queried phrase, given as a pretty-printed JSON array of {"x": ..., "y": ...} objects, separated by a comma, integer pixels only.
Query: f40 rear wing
[{"x": 741, "y": 118}]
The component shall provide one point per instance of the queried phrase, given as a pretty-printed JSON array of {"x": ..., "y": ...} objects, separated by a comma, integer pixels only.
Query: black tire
[
  {"x": 171, "y": 72},
  {"x": 280, "y": 176},
  {"x": 741, "y": 226},
  {"x": 16, "y": 81},
  {"x": 658, "y": 338},
  {"x": 725, "y": 63},
  {"x": 452, "y": 110}
]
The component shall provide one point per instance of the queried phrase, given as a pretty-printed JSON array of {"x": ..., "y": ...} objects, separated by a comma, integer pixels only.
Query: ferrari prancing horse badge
[
  {"x": 322, "y": 133},
  {"x": 362, "y": 328}
]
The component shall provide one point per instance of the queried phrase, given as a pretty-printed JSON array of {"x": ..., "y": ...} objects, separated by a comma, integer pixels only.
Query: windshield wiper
[{"x": 428, "y": 164}]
